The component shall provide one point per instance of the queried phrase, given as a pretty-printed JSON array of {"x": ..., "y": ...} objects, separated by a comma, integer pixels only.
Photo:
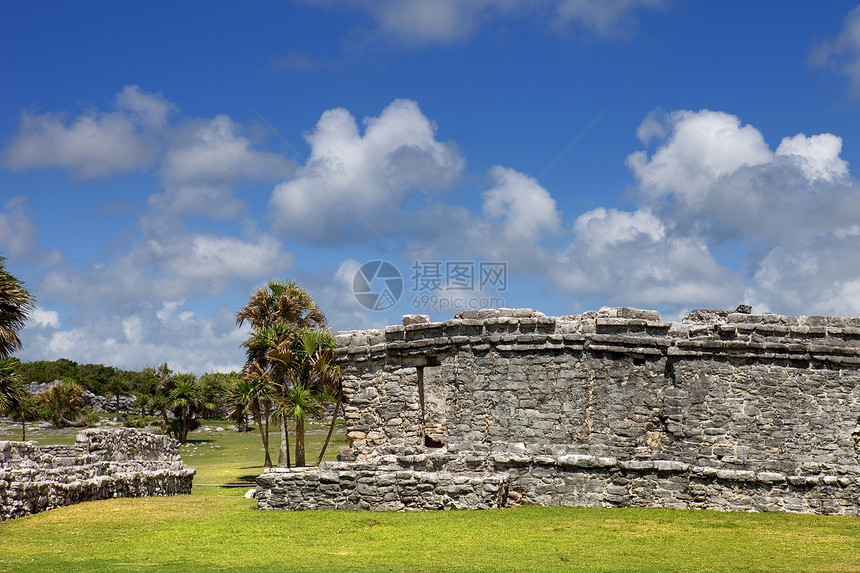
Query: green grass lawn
[{"x": 216, "y": 529}]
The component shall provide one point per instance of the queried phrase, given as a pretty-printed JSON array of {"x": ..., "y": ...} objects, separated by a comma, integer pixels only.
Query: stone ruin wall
[
  {"x": 728, "y": 411},
  {"x": 103, "y": 463}
]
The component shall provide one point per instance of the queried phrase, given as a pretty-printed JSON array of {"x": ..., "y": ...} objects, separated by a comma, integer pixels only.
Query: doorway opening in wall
[{"x": 431, "y": 395}]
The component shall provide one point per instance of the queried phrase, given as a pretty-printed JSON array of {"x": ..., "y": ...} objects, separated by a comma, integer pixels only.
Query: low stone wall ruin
[
  {"x": 727, "y": 411},
  {"x": 103, "y": 463},
  {"x": 378, "y": 487}
]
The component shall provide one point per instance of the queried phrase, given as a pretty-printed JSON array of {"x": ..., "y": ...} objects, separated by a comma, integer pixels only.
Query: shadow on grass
[
  {"x": 248, "y": 480},
  {"x": 198, "y": 441}
]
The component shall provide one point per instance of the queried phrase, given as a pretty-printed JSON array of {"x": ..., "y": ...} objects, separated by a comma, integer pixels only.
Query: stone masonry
[
  {"x": 725, "y": 410},
  {"x": 103, "y": 463}
]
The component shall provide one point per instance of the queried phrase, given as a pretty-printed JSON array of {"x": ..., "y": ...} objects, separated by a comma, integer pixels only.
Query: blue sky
[{"x": 160, "y": 161}]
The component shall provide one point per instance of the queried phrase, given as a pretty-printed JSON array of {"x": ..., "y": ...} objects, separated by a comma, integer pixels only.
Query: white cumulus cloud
[
  {"x": 700, "y": 147},
  {"x": 817, "y": 156},
  {"x": 217, "y": 150},
  {"x": 711, "y": 174},
  {"x": 43, "y": 318},
  {"x": 354, "y": 184},
  {"x": 526, "y": 209},
  {"x": 95, "y": 143},
  {"x": 634, "y": 258}
]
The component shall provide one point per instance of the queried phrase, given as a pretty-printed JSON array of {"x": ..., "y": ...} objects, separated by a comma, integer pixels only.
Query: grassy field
[{"x": 216, "y": 529}]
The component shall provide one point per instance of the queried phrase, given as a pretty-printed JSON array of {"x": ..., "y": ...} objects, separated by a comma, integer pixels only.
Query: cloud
[
  {"x": 333, "y": 292},
  {"x": 817, "y": 156},
  {"x": 794, "y": 210},
  {"x": 204, "y": 160},
  {"x": 137, "y": 338},
  {"x": 17, "y": 230},
  {"x": 199, "y": 200},
  {"x": 167, "y": 309},
  {"x": 94, "y": 144},
  {"x": 636, "y": 258},
  {"x": 606, "y": 17},
  {"x": 132, "y": 328},
  {"x": 150, "y": 109},
  {"x": 418, "y": 22},
  {"x": 705, "y": 179},
  {"x": 422, "y": 23},
  {"x": 812, "y": 274},
  {"x": 603, "y": 229},
  {"x": 356, "y": 185},
  {"x": 42, "y": 318},
  {"x": 713, "y": 175},
  {"x": 700, "y": 147},
  {"x": 169, "y": 268},
  {"x": 199, "y": 159},
  {"x": 527, "y": 210},
  {"x": 211, "y": 256},
  {"x": 842, "y": 53},
  {"x": 126, "y": 308},
  {"x": 216, "y": 150},
  {"x": 518, "y": 220}
]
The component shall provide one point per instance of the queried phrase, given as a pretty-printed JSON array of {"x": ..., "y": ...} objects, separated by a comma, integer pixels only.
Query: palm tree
[
  {"x": 337, "y": 381},
  {"x": 237, "y": 406},
  {"x": 187, "y": 402},
  {"x": 65, "y": 404},
  {"x": 253, "y": 392},
  {"x": 15, "y": 400},
  {"x": 25, "y": 410},
  {"x": 299, "y": 404},
  {"x": 258, "y": 346},
  {"x": 161, "y": 403},
  {"x": 278, "y": 313},
  {"x": 310, "y": 363},
  {"x": 118, "y": 386},
  {"x": 142, "y": 403},
  {"x": 15, "y": 306},
  {"x": 11, "y": 386},
  {"x": 281, "y": 302}
]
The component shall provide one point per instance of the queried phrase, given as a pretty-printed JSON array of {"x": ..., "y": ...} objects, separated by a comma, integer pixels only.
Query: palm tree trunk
[
  {"x": 331, "y": 426},
  {"x": 166, "y": 422},
  {"x": 258, "y": 419},
  {"x": 81, "y": 422},
  {"x": 185, "y": 419},
  {"x": 300, "y": 442},
  {"x": 23, "y": 429},
  {"x": 284, "y": 450},
  {"x": 264, "y": 434}
]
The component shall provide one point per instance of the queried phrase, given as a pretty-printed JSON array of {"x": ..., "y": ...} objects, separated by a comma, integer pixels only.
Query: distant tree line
[{"x": 175, "y": 401}]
